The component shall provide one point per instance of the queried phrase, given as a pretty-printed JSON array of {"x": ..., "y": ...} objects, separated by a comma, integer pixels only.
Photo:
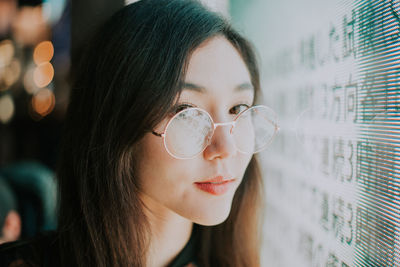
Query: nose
[{"x": 221, "y": 145}]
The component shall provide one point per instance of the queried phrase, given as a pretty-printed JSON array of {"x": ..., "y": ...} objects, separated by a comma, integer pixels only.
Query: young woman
[{"x": 157, "y": 167}]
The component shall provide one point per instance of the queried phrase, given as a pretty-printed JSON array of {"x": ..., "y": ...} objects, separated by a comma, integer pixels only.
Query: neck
[{"x": 169, "y": 233}]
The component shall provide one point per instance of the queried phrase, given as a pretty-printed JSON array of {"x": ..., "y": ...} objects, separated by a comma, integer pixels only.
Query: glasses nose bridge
[
  {"x": 209, "y": 138},
  {"x": 232, "y": 123}
]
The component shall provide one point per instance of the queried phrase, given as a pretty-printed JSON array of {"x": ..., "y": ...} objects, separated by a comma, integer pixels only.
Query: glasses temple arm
[{"x": 157, "y": 134}]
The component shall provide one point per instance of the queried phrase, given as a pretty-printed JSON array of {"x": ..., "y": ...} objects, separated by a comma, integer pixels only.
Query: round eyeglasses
[{"x": 190, "y": 131}]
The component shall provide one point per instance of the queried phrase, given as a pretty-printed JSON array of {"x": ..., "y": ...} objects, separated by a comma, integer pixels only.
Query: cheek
[
  {"x": 153, "y": 157},
  {"x": 242, "y": 163},
  {"x": 159, "y": 173},
  {"x": 152, "y": 148}
]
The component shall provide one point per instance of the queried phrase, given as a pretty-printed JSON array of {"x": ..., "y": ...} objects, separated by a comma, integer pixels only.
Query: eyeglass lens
[{"x": 188, "y": 133}]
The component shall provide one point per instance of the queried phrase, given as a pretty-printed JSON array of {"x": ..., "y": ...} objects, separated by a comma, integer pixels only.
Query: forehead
[{"x": 218, "y": 67}]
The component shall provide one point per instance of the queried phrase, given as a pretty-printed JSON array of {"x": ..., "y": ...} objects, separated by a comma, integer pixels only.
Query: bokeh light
[
  {"x": 29, "y": 27},
  {"x": 6, "y": 108},
  {"x": 10, "y": 67},
  {"x": 43, "y": 52},
  {"x": 43, "y": 74},
  {"x": 8, "y": 8},
  {"x": 6, "y": 53},
  {"x": 43, "y": 102},
  {"x": 12, "y": 72},
  {"x": 29, "y": 85}
]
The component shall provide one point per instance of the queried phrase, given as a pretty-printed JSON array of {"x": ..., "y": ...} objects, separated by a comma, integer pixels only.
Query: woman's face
[{"x": 217, "y": 81}]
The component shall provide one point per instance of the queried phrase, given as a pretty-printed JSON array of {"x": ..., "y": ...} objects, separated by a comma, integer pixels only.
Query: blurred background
[
  {"x": 331, "y": 71},
  {"x": 34, "y": 65},
  {"x": 33, "y": 86}
]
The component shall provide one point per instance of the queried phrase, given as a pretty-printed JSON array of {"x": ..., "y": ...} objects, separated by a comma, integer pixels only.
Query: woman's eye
[
  {"x": 181, "y": 107},
  {"x": 238, "y": 108}
]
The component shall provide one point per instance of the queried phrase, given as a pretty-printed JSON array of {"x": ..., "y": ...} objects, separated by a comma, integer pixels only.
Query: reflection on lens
[
  {"x": 254, "y": 129},
  {"x": 186, "y": 133},
  {"x": 243, "y": 132}
]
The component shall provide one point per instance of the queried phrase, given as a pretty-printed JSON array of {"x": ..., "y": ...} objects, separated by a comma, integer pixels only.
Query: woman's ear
[{"x": 12, "y": 227}]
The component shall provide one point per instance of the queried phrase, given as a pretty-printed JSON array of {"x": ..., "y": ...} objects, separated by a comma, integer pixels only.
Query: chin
[{"x": 214, "y": 218}]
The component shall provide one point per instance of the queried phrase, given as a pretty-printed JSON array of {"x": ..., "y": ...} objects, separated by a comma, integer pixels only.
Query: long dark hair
[{"x": 127, "y": 81}]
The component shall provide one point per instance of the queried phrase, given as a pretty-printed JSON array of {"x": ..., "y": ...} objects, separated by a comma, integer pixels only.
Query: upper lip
[{"x": 216, "y": 179}]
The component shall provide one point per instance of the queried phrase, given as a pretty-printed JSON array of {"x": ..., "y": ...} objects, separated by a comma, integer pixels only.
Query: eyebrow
[{"x": 201, "y": 89}]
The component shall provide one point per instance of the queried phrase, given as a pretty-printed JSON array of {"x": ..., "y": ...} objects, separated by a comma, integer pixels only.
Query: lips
[{"x": 215, "y": 186}]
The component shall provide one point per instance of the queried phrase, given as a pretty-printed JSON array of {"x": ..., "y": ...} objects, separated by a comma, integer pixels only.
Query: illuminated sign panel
[{"x": 331, "y": 70}]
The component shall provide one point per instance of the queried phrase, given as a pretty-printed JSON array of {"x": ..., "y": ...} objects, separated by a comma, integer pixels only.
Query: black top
[{"x": 43, "y": 250}]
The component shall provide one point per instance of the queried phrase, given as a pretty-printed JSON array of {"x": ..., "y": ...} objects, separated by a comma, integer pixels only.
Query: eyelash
[{"x": 182, "y": 106}]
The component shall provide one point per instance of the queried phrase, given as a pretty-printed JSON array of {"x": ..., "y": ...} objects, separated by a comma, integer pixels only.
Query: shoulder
[{"x": 39, "y": 251}]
